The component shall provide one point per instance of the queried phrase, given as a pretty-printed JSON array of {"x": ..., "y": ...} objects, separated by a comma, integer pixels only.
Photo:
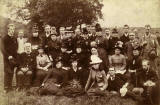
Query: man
[
  {"x": 129, "y": 46},
  {"x": 148, "y": 80},
  {"x": 35, "y": 41},
  {"x": 46, "y": 37},
  {"x": 118, "y": 83},
  {"x": 149, "y": 42},
  {"x": 9, "y": 50},
  {"x": 21, "y": 41},
  {"x": 111, "y": 39},
  {"x": 125, "y": 38},
  {"x": 154, "y": 62},
  {"x": 54, "y": 47},
  {"x": 26, "y": 68},
  {"x": 101, "y": 48}
]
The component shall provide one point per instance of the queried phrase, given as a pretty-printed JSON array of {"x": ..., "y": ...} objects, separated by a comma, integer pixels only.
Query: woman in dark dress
[{"x": 74, "y": 84}]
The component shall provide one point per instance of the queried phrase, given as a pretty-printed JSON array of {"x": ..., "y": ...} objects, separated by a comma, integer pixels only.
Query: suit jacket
[
  {"x": 9, "y": 47},
  {"x": 124, "y": 39},
  {"x": 147, "y": 75}
]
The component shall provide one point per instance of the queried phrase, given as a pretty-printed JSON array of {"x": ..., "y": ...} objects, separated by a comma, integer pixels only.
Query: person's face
[
  {"x": 78, "y": 32},
  {"x": 145, "y": 65},
  {"x": 114, "y": 34},
  {"x": 74, "y": 64},
  {"x": 20, "y": 34},
  {"x": 117, "y": 51},
  {"x": 94, "y": 51},
  {"x": 112, "y": 72},
  {"x": 62, "y": 31},
  {"x": 107, "y": 32},
  {"x": 35, "y": 34},
  {"x": 95, "y": 66},
  {"x": 53, "y": 37},
  {"x": 131, "y": 36},
  {"x": 11, "y": 30},
  {"x": 135, "y": 53},
  {"x": 40, "y": 51},
  {"x": 126, "y": 29},
  {"x": 63, "y": 49},
  {"x": 147, "y": 28},
  {"x": 78, "y": 50},
  {"x": 47, "y": 29},
  {"x": 28, "y": 49},
  {"x": 58, "y": 65}
]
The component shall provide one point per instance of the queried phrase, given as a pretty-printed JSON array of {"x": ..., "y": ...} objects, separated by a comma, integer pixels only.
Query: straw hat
[{"x": 95, "y": 60}]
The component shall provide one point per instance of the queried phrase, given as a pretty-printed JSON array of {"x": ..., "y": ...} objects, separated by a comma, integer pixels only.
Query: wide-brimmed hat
[{"x": 95, "y": 60}]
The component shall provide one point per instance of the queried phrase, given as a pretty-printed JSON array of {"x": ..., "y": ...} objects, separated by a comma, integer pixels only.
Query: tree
[{"x": 64, "y": 12}]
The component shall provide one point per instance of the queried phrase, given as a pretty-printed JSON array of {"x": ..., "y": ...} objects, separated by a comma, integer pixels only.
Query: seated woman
[
  {"x": 118, "y": 61},
  {"x": 27, "y": 65},
  {"x": 74, "y": 83},
  {"x": 43, "y": 66},
  {"x": 55, "y": 79},
  {"x": 97, "y": 80}
]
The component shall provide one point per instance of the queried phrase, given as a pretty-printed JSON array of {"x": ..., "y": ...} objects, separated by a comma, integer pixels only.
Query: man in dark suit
[
  {"x": 149, "y": 81},
  {"x": 125, "y": 37},
  {"x": 9, "y": 51}
]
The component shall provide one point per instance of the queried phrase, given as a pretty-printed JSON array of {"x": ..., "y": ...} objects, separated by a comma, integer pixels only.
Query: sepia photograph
[{"x": 79, "y": 52}]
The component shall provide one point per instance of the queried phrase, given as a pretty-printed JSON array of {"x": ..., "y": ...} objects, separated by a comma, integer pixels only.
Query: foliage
[{"x": 65, "y": 12}]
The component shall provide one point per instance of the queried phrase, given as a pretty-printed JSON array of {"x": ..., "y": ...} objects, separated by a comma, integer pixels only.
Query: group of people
[{"x": 76, "y": 62}]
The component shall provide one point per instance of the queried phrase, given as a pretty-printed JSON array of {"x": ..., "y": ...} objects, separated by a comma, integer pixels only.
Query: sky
[
  {"x": 119, "y": 12},
  {"x": 132, "y": 12}
]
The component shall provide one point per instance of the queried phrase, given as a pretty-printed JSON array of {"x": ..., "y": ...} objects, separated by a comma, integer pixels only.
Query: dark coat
[
  {"x": 147, "y": 75},
  {"x": 135, "y": 63},
  {"x": 117, "y": 83},
  {"x": 27, "y": 60},
  {"x": 110, "y": 44},
  {"x": 124, "y": 39},
  {"x": 9, "y": 47}
]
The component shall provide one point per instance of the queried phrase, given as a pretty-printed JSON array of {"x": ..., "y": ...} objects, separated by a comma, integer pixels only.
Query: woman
[
  {"x": 97, "y": 80},
  {"x": 55, "y": 79},
  {"x": 43, "y": 66},
  {"x": 118, "y": 61},
  {"x": 74, "y": 84}
]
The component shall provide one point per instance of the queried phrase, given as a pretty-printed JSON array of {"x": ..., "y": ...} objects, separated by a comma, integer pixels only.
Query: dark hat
[
  {"x": 126, "y": 26},
  {"x": 114, "y": 31},
  {"x": 79, "y": 44},
  {"x": 119, "y": 45},
  {"x": 40, "y": 47},
  {"x": 58, "y": 59},
  {"x": 63, "y": 45},
  {"x": 138, "y": 48},
  {"x": 55, "y": 33},
  {"x": 74, "y": 58}
]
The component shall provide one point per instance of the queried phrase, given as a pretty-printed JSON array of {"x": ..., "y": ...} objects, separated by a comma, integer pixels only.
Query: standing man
[
  {"x": 9, "y": 50},
  {"x": 125, "y": 37},
  {"x": 149, "y": 42}
]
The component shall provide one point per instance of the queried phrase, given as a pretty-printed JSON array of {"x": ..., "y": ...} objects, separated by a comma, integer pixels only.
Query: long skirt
[
  {"x": 73, "y": 89},
  {"x": 50, "y": 88},
  {"x": 95, "y": 91}
]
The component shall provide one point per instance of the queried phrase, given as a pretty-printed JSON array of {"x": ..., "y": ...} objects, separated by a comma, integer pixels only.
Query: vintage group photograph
[{"x": 79, "y": 52}]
